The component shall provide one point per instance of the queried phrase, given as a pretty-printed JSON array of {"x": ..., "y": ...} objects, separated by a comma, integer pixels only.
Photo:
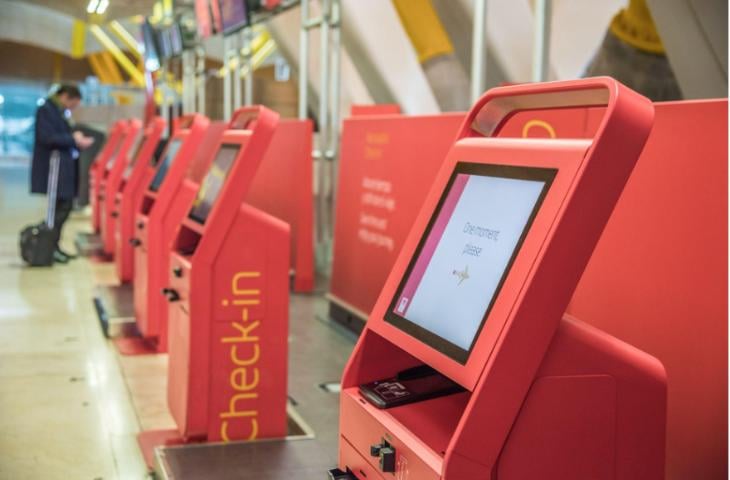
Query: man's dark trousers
[{"x": 63, "y": 210}]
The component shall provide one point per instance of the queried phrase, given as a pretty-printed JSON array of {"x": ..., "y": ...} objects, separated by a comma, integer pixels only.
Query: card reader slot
[{"x": 412, "y": 385}]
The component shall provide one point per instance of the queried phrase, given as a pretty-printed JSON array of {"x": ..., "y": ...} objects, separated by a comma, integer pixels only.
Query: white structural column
[
  {"x": 189, "y": 89},
  {"x": 227, "y": 100},
  {"x": 541, "y": 40},
  {"x": 303, "y": 61},
  {"x": 248, "y": 63},
  {"x": 235, "y": 64},
  {"x": 478, "y": 51}
]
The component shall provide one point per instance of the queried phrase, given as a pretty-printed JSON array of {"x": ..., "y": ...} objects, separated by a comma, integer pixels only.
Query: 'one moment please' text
[{"x": 481, "y": 232}]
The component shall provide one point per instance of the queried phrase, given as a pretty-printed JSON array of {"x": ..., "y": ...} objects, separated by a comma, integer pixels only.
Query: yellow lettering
[
  {"x": 246, "y": 302},
  {"x": 244, "y": 330},
  {"x": 235, "y": 288},
  {"x": 224, "y": 431},
  {"x": 252, "y": 436},
  {"x": 250, "y": 361},
  {"x": 233, "y": 413},
  {"x": 245, "y": 377},
  {"x": 242, "y": 375}
]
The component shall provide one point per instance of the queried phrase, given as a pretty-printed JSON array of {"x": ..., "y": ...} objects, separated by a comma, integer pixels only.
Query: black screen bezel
[
  {"x": 424, "y": 335},
  {"x": 133, "y": 158},
  {"x": 224, "y": 146},
  {"x": 113, "y": 158},
  {"x": 236, "y": 27},
  {"x": 154, "y": 184}
]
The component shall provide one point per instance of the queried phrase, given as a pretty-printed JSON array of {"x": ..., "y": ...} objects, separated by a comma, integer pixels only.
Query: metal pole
[
  {"x": 335, "y": 79},
  {"x": 541, "y": 41},
  {"x": 324, "y": 73},
  {"x": 334, "y": 143},
  {"x": 248, "y": 59},
  {"x": 235, "y": 63},
  {"x": 303, "y": 60},
  {"x": 201, "y": 80},
  {"x": 188, "y": 81},
  {"x": 324, "y": 128},
  {"x": 226, "y": 79},
  {"x": 478, "y": 51}
]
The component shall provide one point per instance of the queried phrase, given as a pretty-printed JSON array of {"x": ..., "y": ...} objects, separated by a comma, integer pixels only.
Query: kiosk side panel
[{"x": 658, "y": 277}]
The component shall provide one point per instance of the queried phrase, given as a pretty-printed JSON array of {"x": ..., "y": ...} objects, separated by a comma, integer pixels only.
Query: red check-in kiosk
[
  {"x": 98, "y": 170},
  {"x": 110, "y": 184},
  {"x": 229, "y": 302},
  {"x": 468, "y": 366},
  {"x": 135, "y": 178},
  {"x": 162, "y": 208}
]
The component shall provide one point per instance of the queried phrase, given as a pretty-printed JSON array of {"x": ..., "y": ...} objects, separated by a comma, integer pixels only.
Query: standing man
[{"x": 53, "y": 132}]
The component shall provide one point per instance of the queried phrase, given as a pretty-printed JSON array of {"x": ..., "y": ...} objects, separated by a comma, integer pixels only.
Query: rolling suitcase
[{"x": 37, "y": 242}]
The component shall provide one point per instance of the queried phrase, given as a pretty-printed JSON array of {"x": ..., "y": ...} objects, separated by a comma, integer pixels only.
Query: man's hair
[{"x": 71, "y": 90}]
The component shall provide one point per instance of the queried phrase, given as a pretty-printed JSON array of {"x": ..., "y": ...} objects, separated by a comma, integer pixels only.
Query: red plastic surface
[
  {"x": 375, "y": 109},
  {"x": 97, "y": 171},
  {"x": 129, "y": 199},
  {"x": 158, "y": 219},
  {"x": 110, "y": 206},
  {"x": 387, "y": 166},
  {"x": 645, "y": 300},
  {"x": 283, "y": 187},
  {"x": 510, "y": 352},
  {"x": 658, "y": 277},
  {"x": 228, "y": 343}
]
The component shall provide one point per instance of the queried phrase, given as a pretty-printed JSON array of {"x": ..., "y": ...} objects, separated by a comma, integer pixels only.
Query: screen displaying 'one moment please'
[{"x": 466, "y": 252}]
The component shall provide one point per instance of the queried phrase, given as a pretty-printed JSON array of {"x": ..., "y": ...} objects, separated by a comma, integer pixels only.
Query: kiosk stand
[
  {"x": 116, "y": 304},
  {"x": 110, "y": 185},
  {"x": 164, "y": 204},
  {"x": 98, "y": 170},
  {"x": 136, "y": 176},
  {"x": 228, "y": 296},
  {"x": 467, "y": 366},
  {"x": 88, "y": 244}
]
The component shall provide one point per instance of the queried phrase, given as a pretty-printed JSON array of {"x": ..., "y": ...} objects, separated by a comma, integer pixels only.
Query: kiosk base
[
  {"x": 91, "y": 245},
  {"x": 136, "y": 345},
  {"x": 170, "y": 455},
  {"x": 346, "y": 315},
  {"x": 115, "y": 308}
]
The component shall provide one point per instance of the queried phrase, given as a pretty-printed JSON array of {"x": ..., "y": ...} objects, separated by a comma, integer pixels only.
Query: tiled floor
[{"x": 65, "y": 410}]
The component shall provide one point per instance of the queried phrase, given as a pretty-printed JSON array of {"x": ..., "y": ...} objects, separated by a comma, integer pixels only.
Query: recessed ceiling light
[
  {"x": 91, "y": 7},
  {"x": 103, "y": 5}
]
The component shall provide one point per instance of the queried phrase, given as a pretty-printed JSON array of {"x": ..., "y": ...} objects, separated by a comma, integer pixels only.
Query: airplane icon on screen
[{"x": 462, "y": 274}]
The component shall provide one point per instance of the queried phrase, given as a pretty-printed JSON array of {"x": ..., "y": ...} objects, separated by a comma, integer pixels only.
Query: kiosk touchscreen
[
  {"x": 228, "y": 293},
  {"x": 97, "y": 172},
  {"x": 468, "y": 367},
  {"x": 115, "y": 169},
  {"x": 136, "y": 177},
  {"x": 163, "y": 204}
]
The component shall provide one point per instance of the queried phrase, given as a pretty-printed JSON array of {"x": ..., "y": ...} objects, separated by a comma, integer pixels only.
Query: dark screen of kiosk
[
  {"x": 213, "y": 183},
  {"x": 114, "y": 155},
  {"x": 133, "y": 159},
  {"x": 465, "y": 254},
  {"x": 165, "y": 165}
]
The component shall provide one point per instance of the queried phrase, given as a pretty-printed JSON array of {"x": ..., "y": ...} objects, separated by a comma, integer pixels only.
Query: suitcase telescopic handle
[
  {"x": 625, "y": 109},
  {"x": 52, "y": 189}
]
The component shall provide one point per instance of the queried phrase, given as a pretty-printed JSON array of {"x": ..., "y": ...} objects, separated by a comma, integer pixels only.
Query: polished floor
[
  {"x": 65, "y": 410},
  {"x": 71, "y": 406}
]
